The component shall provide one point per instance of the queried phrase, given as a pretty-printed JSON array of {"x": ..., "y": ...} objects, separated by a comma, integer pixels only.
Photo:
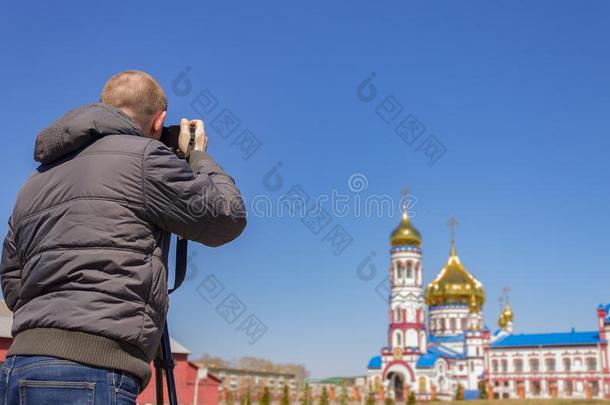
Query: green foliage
[
  {"x": 389, "y": 401},
  {"x": 411, "y": 400},
  {"x": 324, "y": 397},
  {"x": 483, "y": 390},
  {"x": 285, "y": 396},
  {"x": 459, "y": 393},
  {"x": 266, "y": 398},
  {"x": 344, "y": 398},
  {"x": 306, "y": 400},
  {"x": 370, "y": 400}
]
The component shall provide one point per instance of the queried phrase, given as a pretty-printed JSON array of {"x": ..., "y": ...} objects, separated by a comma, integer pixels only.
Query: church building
[{"x": 437, "y": 343}]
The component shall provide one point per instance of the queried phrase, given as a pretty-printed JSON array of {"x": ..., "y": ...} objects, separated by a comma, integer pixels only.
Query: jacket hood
[{"x": 80, "y": 127}]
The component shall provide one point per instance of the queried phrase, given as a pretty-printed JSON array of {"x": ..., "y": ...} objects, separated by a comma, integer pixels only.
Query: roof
[
  {"x": 446, "y": 339},
  {"x": 428, "y": 359},
  {"x": 446, "y": 352},
  {"x": 177, "y": 348},
  {"x": 375, "y": 362},
  {"x": 549, "y": 339}
]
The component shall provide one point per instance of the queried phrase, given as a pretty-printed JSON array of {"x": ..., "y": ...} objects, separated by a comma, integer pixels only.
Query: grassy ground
[{"x": 530, "y": 402}]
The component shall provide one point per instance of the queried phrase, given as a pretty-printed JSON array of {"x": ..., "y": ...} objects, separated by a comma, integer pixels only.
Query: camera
[{"x": 170, "y": 135}]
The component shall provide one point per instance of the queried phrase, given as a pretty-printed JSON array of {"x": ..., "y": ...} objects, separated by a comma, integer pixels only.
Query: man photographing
[{"x": 84, "y": 261}]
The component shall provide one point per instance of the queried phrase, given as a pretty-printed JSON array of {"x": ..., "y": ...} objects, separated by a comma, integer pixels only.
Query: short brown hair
[{"x": 135, "y": 92}]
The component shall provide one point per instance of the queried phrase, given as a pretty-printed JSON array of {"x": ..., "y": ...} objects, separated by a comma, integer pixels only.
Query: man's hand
[{"x": 201, "y": 140}]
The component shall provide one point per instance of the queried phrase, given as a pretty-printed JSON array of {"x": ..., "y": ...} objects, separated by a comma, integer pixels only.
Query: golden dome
[
  {"x": 455, "y": 285},
  {"x": 405, "y": 233},
  {"x": 506, "y": 316},
  {"x": 502, "y": 321}
]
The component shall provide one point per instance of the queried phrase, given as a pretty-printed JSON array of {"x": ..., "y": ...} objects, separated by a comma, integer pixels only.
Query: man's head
[{"x": 141, "y": 97}]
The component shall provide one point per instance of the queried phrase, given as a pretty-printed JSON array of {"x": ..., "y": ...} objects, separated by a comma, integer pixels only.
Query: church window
[
  {"x": 399, "y": 272},
  {"x": 567, "y": 365},
  {"x": 452, "y": 323},
  {"x": 518, "y": 364},
  {"x": 422, "y": 384},
  {"x": 534, "y": 365},
  {"x": 536, "y": 387},
  {"x": 549, "y": 364},
  {"x": 441, "y": 384},
  {"x": 568, "y": 387},
  {"x": 591, "y": 363},
  {"x": 594, "y": 388},
  {"x": 398, "y": 315},
  {"x": 409, "y": 269},
  {"x": 504, "y": 364},
  {"x": 494, "y": 366},
  {"x": 398, "y": 338},
  {"x": 463, "y": 323}
]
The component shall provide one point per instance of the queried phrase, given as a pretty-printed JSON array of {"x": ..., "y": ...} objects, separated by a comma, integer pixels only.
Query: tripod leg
[
  {"x": 159, "y": 376},
  {"x": 169, "y": 367}
]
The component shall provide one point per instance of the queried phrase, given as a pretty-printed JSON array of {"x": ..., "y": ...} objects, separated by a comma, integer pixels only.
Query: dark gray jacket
[{"x": 83, "y": 264}]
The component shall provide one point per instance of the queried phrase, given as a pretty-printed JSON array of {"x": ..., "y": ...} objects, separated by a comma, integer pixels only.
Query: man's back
[{"x": 84, "y": 261}]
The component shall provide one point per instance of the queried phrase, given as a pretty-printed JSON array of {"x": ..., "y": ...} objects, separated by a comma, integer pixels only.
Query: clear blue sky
[{"x": 517, "y": 92}]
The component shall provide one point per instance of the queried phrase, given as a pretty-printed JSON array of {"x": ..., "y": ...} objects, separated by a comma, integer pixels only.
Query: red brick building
[{"x": 188, "y": 375}]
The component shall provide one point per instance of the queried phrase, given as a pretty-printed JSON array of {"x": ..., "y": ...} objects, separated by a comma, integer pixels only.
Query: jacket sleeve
[
  {"x": 10, "y": 269},
  {"x": 199, "y": 202}
]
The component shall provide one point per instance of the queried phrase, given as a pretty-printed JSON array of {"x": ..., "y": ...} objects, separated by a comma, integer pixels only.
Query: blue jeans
[{"x": 37, "y": 380}]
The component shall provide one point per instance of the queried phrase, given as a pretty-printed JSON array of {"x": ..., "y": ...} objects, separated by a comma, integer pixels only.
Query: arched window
[
  {"x": 463, "y": 323},
  {"x": 518, "y": 365},
  {"x": 504, "y": 365},
  {"x": 452, "y": 323},
  {"x": 398, "y": 315},
  {"x": 549, "y": 364},
  {"x": 442, "y": 327},
  {"x": 398, "y": 336},
  {"x": 534, "y": 365},
  {"x": 494, "y": 366},
  {"x": 567, "y": 364},
  {"x": 398, "y": 271},
  {"x": 441, "y": 384},
  {"x": 422, "y": 384},
  {"x": 591, "y": 363},
  {"x": 409, "y": 269}
]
